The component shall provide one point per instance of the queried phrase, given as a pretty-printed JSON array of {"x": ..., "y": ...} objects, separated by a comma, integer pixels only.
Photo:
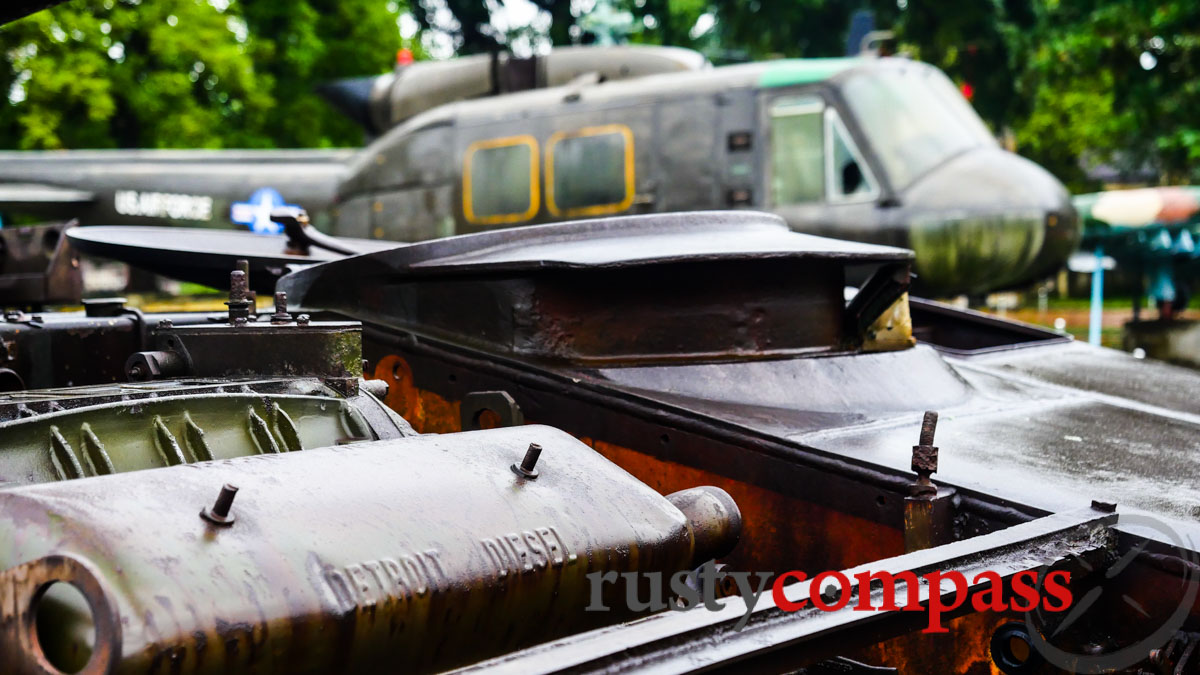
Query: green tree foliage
[
  {"x": 476, "y": 26},
  {"x": 299, "y": 44},
  {"x": 187, "y": 73},
  {"x": 1111, "y": 81},
  {"x": 1123, "y": 76},
  {"x": 973, "y": 43}
]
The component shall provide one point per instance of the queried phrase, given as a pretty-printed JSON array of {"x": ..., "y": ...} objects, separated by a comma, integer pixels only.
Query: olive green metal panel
[
  {"x": 169, "y": 431},
  {"x": 62, "y": 434}
]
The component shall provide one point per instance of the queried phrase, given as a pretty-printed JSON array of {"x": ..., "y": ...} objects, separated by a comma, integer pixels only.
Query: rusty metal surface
[
  {"x": 777, "y": 641},
  {"x": 1024, "y": 444},
  {"x": 738, "y": 286},
  {"x": 819, "y": 438},
  {"x": 1016, "y": 436},
  {"x": 427, "y": 551},
  {"x": 846, "y": 476}
]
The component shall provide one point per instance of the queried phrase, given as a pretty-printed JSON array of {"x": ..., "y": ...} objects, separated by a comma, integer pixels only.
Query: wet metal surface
[
  {"x": 1107, "y": 372},
  {"x": 607, "y": 242},
  {"x": 778, "y": 641},
  {"x": 1013, "y": 425},
  {"x": 427, "y": 551}
]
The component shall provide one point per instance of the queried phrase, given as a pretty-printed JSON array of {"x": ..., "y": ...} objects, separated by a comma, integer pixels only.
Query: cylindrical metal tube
[
  {"x": 419, "y": 553},
  {"x": 142, "y": 366},
  {"x": 714, "y": 519}
]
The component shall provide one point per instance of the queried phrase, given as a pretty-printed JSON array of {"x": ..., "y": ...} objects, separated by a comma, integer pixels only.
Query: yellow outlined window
[
  {"x": 589, "y": 171},
  {"x": 500, "y": 180}
]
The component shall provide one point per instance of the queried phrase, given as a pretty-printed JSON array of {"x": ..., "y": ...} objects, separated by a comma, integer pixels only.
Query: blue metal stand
[{"x": 1097, "y": 305}]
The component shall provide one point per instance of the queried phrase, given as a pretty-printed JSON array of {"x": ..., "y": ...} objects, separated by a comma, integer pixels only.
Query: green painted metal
[
  {"x": 805, "y": 71},
  {"x": 175, "y": 428}
]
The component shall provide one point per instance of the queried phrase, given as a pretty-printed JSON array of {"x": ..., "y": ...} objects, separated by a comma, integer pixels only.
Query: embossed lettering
[
  {"x": 435, "y": 564},
  {"x": 536, "y": 549},
  {"x": 415, "y": 575},
  {"x": 518, "y": 548},
  {"x": 340, "y": 586},
  {"x": 361, "y": 584},
  {"x": 497, "y": 555}
]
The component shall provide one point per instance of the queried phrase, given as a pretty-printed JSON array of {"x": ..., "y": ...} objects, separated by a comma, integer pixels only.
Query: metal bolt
[
  {"x": 239, "y": 291},
  {"x": 165, "y": 323},
  {"x": 281, "y": 314},
  {"x": 928, "y": 427},
  {"x": 219, "y": 513},
  {"x": 302, "y": 320},
  {"x": 239, "y": 285},
  {"x": 925, "y": 457},
  {"x": 527, "y": 467}
]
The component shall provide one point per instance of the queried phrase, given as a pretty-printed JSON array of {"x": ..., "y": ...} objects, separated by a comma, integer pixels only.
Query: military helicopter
[{"x": 882, "y": 150}]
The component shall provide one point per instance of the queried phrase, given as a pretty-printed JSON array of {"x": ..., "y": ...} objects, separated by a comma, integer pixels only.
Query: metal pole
[{"x": 1097, "y": 305}]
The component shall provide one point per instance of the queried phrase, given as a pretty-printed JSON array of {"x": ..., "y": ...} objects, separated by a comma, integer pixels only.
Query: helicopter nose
[{"x": 989, "y": 219}]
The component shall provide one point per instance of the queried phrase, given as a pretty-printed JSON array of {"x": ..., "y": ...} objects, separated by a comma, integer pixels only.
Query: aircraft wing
[
  {"x": 36, "y": 196},
  {"x": 194, "y": 188}
]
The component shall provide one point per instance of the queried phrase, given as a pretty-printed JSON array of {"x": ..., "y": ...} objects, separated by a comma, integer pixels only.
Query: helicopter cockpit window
[
  {"x": 797, "y": 150},
  {"x": 914, "y": 119},
  {"x": 848, "y": 175},
  {"x": 500, "y": 180},
  {"x": 590, "y": 171}
]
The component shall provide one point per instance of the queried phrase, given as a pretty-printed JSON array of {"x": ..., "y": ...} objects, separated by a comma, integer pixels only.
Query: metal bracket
[{"x": 477, "y": 404}]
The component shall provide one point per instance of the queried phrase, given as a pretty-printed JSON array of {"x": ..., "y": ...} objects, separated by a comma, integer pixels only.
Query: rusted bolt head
[
  {"x": 238, "y": 285},
  {"x": 925, "y": 454},
  {"x": 924, "y": 459}
]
